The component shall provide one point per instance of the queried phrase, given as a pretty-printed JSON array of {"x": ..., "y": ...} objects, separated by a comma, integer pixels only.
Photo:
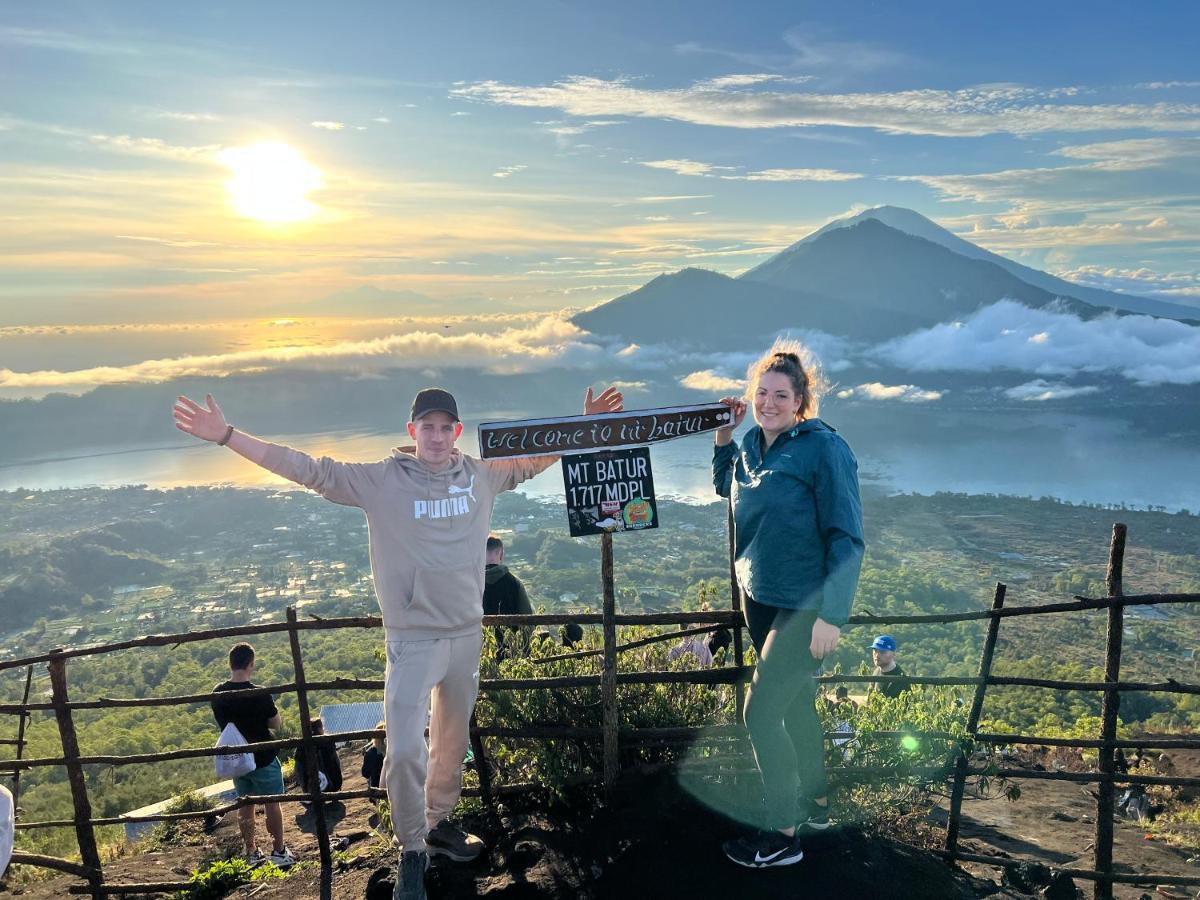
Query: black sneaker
[
  {"x": 812, "y": 816},
  {"x": 762, "y": 849}
]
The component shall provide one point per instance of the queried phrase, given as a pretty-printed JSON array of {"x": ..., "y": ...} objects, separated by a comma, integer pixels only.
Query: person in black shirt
[
  {"x": 504, "y": 595},
  {"x": 883, "y": 654},
  {"x": 255, "y": 716},
  {"x": 372, "y": 765},
  {"x": 328, "y": 763}
]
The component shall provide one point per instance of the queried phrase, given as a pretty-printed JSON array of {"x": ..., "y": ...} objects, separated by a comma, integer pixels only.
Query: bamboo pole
[
  {"x": 481, "y": 764},
  {"x": 84, "y": 833},
  {"x": 312, "y": 760},
  {"x": 608, "y": 670},
  {"x": 961, "y": 764},
  {"x": 16, "y": 776},
  {"x": 1103, "y": 888},
  {"x": 735, "y": 603}
]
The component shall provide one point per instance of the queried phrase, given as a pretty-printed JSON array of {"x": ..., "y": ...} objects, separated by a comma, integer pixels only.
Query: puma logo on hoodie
[{"x": 428, "y": 563}]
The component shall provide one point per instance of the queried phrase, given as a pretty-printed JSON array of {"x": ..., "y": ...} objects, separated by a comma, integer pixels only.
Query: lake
[{"x": 1075, "y": 458}]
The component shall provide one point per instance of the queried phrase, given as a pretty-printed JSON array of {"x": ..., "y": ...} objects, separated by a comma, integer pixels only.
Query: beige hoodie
[{"x": 428, "y": 530}]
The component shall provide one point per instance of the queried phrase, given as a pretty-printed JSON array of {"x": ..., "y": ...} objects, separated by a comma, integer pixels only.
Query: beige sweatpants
[{"x": 440, "y": 677}]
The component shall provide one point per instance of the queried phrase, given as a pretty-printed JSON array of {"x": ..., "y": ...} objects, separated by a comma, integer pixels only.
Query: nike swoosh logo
[{"x": 759, "y": 858}]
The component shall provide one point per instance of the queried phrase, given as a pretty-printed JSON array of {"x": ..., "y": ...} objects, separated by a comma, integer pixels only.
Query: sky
[{"x": 179, "y": 181}]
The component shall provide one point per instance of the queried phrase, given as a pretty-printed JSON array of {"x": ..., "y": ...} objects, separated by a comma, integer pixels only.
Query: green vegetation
[
  {"x": 103, "y": 565},
  {"x": 224, "y": 875}
]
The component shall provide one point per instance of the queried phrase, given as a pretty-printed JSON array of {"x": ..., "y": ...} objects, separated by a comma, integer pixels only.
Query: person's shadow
[{"x": 306, "y": 819}]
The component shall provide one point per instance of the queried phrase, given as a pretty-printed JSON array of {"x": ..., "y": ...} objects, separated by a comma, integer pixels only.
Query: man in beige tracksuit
[{"x": 428, "y": 512}]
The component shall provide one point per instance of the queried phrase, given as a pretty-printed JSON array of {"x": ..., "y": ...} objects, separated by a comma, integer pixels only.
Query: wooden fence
[{"x": 609, "y": 733}]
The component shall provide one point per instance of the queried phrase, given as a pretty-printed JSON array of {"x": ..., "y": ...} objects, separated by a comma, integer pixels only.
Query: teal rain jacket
[{"x": 798, "y": 541}]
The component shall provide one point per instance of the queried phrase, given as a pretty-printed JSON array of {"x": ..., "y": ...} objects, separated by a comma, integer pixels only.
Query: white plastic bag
[
  {"x": 233, "y": 765},
  {"x": 7, "y": 828}
]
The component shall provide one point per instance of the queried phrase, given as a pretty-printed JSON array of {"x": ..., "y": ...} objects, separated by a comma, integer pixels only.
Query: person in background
[
  {"x": 255, "y": 717},
  {"x": 328, "y": 764},
  {"x": 372, "y": 764},
  {"x": 883, "y": 655},
  {"x": 504, "y": 595},
  {"x": 798, "y": 548}
]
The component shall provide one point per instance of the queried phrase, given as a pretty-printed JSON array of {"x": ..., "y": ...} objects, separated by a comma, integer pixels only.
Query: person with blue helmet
[
  {"x": 798, "y": 548},
  {"x": 883, "y": 655}
]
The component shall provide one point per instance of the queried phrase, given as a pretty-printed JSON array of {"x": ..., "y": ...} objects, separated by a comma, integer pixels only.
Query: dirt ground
[
  {"x": 658, "y": 840},
  {"x": 1054, "y": 823}
]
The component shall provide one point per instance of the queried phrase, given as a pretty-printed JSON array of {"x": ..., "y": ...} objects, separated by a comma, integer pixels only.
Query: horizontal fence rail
[{"x": 606, "y": 680}]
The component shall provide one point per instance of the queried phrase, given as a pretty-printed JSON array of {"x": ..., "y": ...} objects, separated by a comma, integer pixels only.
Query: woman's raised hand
[
  {"x": 610, "y": 400},
  {"x": 208, "y": 424},
  {"x": 737, "y": 407}
]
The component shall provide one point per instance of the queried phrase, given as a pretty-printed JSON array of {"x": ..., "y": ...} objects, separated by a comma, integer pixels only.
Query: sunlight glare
[{"x": 271, "y": 182}]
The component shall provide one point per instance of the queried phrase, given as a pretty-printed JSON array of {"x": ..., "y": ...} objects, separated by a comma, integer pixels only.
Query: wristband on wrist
[{"x": 228, "y": 434}]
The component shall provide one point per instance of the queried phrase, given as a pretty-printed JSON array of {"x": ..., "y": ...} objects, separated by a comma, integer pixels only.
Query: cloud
[
  {"x": 508, "y": 171},
  {"x": 1166, "y": 85},
  {"x": 966, "y": 112},
  {"x": 382, "y": 120},
  {"x": 905, "y": 393},
  {"x": 686, "y": 167},
  {"x": 187, "y": 116},
  {"x": 692, "y": 167},
  {"x": 567, "y": 129},
  {"x": 1040, "y": 390},
  {"x": 167, "y": 242},
  {"x": 550, "y": 342},
  {"x": 156, "y": 148},
  {"x": 796, "y": 175},
  {"x": 671, "y": 198},
  {"x": 329, "y": 126},
  {"x": 708, "y": 380},
  {"x": 1045, "y": 342},
  {"x": 809, "y": 47},
  {"x": 1176, "y": 285}
]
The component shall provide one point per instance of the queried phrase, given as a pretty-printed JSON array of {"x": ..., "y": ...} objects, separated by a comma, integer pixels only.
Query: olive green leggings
[{"x": 781, "y": 712}]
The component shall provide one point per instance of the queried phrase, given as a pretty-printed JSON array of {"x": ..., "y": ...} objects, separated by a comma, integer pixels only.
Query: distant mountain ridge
[
  {"x": 917, "y": 225},
  {"x": 861, "y": 277}
]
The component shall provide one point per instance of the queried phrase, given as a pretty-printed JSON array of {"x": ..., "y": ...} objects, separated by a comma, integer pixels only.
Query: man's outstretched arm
[
  {"x": 208, "y": 423},
  {"x": 350, "y": 484}
]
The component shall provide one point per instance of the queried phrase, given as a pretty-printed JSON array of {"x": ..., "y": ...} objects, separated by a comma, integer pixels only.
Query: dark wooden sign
[
  {"x": 611, "y": 431},
  {"x": 609, "y": 490}
]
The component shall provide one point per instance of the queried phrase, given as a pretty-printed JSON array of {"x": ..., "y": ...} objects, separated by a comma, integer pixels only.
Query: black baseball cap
[{"x": 434, "y": 400}]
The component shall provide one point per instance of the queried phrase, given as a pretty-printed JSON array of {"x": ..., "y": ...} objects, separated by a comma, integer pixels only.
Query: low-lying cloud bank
[
  {"x": 1005, "y": 336},
  {"x": 1009, "y": 336}
]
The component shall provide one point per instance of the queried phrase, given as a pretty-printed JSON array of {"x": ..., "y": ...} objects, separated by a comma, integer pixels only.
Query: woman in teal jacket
[{"x": 798, "y": 547}]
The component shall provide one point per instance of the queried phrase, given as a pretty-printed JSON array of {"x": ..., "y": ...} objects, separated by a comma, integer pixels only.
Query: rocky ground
[{"x": 658, "y": 840}]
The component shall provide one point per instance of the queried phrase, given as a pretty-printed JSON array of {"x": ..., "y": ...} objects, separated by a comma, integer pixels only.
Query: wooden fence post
[
  {"x": 608, "y": 670},
  {"x": 960, "y": 765},
  {"x": 735, "y": 597},
  {"x": 16, "y": 778},
  {"x": 84, "y": 833},
  {"x": 311, "y": 760},
  {"x": 1103, "y": 887},
  {"x": 481, "y": 765}
]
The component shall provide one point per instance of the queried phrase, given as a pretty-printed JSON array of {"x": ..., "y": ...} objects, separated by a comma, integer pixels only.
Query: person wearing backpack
[{"x": 255, "y": 716}]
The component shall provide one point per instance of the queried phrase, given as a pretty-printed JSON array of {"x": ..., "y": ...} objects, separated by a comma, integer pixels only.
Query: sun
[{"x": 271, "y": 182}]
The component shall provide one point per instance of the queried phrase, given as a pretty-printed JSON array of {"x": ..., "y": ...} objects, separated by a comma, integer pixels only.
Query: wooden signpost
[
  {"x": 606, "y": 431},
  {"x": 609, "y": 490}
]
